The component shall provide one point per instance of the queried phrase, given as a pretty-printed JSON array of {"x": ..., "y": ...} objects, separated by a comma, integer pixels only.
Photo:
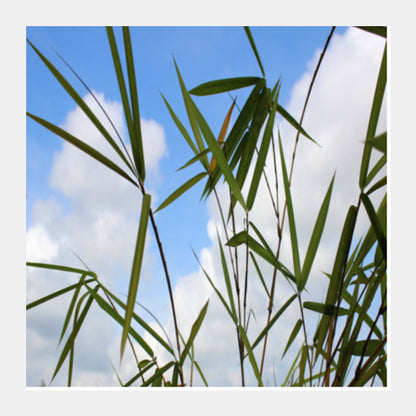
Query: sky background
[{"x": 75, "y": 205}]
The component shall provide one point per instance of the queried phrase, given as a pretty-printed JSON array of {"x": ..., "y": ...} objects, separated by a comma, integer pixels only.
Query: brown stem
[
  {"x": 280, "y": 228},
  {"x": 168, "y": 281}
]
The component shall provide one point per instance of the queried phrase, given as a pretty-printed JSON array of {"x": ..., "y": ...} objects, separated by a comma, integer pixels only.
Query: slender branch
[
  {"x": 280, "y": 228},
  {"x": 306, "y": 338}
]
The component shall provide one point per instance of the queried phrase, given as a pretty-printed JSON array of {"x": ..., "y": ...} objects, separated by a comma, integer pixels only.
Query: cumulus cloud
[{"x": 98, "y": 221}]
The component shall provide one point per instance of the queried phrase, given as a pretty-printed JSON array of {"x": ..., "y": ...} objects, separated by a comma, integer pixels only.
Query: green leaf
[
  {"x": 374, "y": 116},
  {"x": 249, "y": 142},
  {"x": 219, "y": 156},
  {"x": 293, "y": 334},
  {"x": 243, "y": 238},
  {"x": 53, "y": 295},
  {"x": 77, "y": 326},
  {"x": 291, "y": 218},
  {"x": 371, "y": 372},
  {"x": 375, "y": 222},
  {"x": 184, "y": 132},
  {"x": 366, "y": 348},
  {"x": 253, "y": 46},
  {"x": 379, "y": 184},
  {"x": 194, "y": 331},
  {"x": 322, "y": 308},
  {"x": 136, "y": 140},
  {"x": 72, "y": 304},
  {"x": 273, "y": 320},
  {"x": 223, "y": 85},
  {"x": 316, "y": 237},
  {"x": 261, "y": 158},
  {"x": 236, "y": 133},
  {"x": 106, "y": 307},
  {"x": 377, "y": 167},
  {"x": 380, "y": 142},
  {"x": 158, "y": 374},
  {"x": 182, "y": 189},
  {"x": 220, "y": 297},
  {"x": 196, "y": 158},
  {"x": 250, "y": 353},
  {"x": 82, "y": 146},
  {"x": 259, "y": 273},
  {"x": 81, "y": 103},
  {"x": 293, "y": 122},
  {"x": 121, "y": 82},
  {"x": 377, "y": 30},
  {"x": 143, "y": 370},
  {"x": 191, "y": 116},
  {"x": 61, "y": 268},
  {"x": 142, "y": 323},
  {"x": 136, "y": 268},
  {"x": 227, "y": 280},
  {"x": 338, "y": 273}
]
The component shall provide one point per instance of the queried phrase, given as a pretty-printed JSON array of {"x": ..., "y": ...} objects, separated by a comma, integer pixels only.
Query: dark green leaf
[
  {"x": 375, "y": 222},
  {"x": 316, "y": 237},
  {"x": 219, "y": 156},
  {"x": 53, "y": 295},
  {"x": 157, "y": 376},
  {"x": 273, "y": 320},
  {"x": 377, "y": 30},
  {"x": 380, "y": 142},
  {"x": 291, "y": 217},
  {"x": 253, "y": 46},
  {"x": 227, "y": 280},
  {"x": 293, "y": 122},
  {"x": 84, "y": 107},
  {"x": 136, "y": 140},
  {"x": 82, "y": 146},
  {"x": 330, "y": 310},
  {"x": 77, "y": 326},
  {"x": 366, "y": 348},
  {"x": 382, "y": 182},
  {"x": 61, "y": 268},
  {"x": 72, "y": 304},
  {"x": 261, "y": 158},
  {"x": 182, "y": 189},
  {"x": 136, "y": 268},
  {"x": 191, "y": 116},
  {"x": 292, "y": 336},
  {"x": 223, "y": 85},
  {"x": 194, "y": 330},
  {"x": 250, "y": 353},
  {"x": 196, "y": 158},
  {"x": 106, "y": 307},
  {"x": 374, "y": 116}
]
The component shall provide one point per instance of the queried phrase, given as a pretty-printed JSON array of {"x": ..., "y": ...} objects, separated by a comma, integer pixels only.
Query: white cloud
[
  {"x": 39, "y": 245},
  {"x": 98, "y": 222}
]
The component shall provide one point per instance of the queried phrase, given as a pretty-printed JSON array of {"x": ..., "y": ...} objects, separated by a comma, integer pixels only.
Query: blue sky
[
  {"x": 59, "y": 218},
  {"x": 202, "y": 53}
]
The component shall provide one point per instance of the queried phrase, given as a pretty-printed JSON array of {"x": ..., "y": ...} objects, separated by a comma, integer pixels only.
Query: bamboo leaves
[
  {"x": 223, "y": 85},
  {"x": 136, "y": 268}
]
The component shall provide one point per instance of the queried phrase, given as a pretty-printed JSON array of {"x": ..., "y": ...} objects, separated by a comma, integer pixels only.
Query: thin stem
[
  {"x": 246, "y": 275},
  {"x": 280, "y": 228},
  {"x": 168, "y": 280},
  {"x": 306, "y": 338},
  {"x": 236, "y": 280}
]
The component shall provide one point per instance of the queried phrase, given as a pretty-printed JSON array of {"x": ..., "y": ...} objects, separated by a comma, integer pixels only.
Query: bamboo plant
[{"x": 348, "y": 346}]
